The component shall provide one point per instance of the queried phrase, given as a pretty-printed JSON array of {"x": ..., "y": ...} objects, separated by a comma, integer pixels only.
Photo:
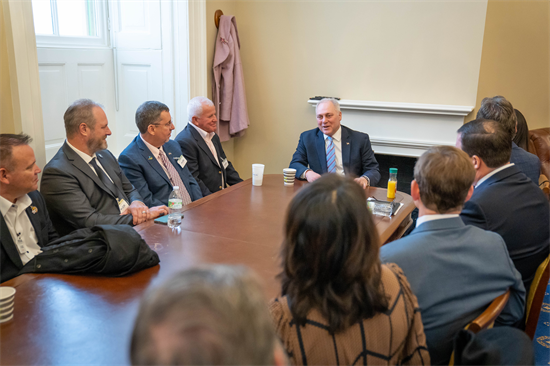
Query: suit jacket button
[{"x": 220, "y": 187}]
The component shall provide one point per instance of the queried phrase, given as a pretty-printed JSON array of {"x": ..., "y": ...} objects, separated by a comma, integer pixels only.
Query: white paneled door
[
  {"x": 139, "y": 80},
  {"x": 70, "y": 74},
  {"x": 135, "y": 68}
]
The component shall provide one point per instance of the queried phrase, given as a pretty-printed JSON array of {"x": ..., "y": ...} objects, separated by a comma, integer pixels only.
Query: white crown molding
[
  {"x": 417, "y": 145},
  {"x": 440, "y": 109}
]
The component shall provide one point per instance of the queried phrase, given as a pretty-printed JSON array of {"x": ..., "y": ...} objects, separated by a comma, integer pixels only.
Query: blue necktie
[{"x": 331, "y": 157}]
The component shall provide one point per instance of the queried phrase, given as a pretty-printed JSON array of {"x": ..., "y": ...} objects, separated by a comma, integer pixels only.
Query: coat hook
[{"x": 217, "y": 16}]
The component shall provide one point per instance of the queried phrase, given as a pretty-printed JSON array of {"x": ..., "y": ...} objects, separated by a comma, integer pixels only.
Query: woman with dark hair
[
  {"x": 522, "y": 135},
  {"x": 339, "y": 305}
]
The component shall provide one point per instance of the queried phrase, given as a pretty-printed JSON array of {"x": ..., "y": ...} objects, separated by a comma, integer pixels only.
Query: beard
[{"x": 96, "y": 144}]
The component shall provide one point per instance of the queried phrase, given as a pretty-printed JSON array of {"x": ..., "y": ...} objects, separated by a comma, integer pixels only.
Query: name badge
[
  {"x": 225, "y": 163},
  {"x": 122, "y": 205},
  {"x": 182, "y": 161}
]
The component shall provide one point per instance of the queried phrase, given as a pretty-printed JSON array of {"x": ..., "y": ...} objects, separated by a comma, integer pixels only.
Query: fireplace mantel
[{"x": 403, "y": 129}]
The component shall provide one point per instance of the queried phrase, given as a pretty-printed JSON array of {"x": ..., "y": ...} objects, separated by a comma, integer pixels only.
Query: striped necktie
[
  {"x": 174, "y": 177},
  {"x": 331, "y": 156}
]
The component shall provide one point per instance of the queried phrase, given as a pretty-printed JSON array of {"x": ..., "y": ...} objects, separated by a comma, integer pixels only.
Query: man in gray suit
[
  {"x": 455, "y": 270},
  {"x": 83, "y": 185}
]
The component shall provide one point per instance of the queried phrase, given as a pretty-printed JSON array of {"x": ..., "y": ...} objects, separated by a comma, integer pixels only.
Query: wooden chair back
[
  {"x": 486, "y": 319},
  {"x": 535, "y": 298}
]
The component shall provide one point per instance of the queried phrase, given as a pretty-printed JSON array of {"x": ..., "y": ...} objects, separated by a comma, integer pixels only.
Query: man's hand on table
[
  {"x": 311, "y": 176},
  {"x": 139, "y": 211},
  {"x": 363, "y": 182},
  {"x": 158, "y": 211}
]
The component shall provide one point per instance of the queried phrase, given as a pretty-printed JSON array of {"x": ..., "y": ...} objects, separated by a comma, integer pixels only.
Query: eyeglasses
[{"x": 168, "y": 124}]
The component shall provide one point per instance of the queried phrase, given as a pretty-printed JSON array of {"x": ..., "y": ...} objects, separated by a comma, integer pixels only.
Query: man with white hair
[
  {"x": 332, "y": 148},
  {"x": 203, "y": 150}
]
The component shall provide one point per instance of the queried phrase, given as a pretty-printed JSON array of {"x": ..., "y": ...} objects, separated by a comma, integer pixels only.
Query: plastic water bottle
[{"x": 175, "y": 206}]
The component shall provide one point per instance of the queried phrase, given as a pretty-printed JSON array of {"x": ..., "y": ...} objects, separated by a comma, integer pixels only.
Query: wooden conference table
[{"x": 76, "y": 320}]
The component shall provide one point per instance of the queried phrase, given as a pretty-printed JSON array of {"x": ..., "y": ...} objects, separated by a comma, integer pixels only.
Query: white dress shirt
[
  {"x": 426, "y": 218},
  {"x": 20, "y": 227},
  {"x": 156, "y": 153},
  {"x": 479, "y": 182},
  {"x": 207, "y": 137},
  {"x": 87, "y": 158}
]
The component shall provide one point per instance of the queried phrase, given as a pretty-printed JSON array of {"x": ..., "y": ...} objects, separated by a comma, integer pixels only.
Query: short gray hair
[
  {"x": 334, "y": 102},
  {"x": 211, "y": 315},
  {"x": 194, "y": 108},
  {"x": 81, "y": 111},
  {"x": 149, "y": 113},
  {"x": 499, "y": 109}
]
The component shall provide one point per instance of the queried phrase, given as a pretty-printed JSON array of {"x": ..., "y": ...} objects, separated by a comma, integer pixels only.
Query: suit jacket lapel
[
  {"x": 320, "y": 145},
  {"x": 148, "y": 156},
  {"x": 8, "y": 244},
  {"x": 202, "y": 144},
  {"x": 114, "y": 176},
  {"x": 346, "y": 147},
  {"x": 85, "y": 168}
]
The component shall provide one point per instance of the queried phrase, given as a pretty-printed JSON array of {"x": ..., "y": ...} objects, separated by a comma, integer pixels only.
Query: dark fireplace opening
[{"x": 405, "y": 170}]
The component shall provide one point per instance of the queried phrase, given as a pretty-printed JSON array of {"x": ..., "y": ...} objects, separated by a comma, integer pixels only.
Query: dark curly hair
[{"x": 330, "y": 254}]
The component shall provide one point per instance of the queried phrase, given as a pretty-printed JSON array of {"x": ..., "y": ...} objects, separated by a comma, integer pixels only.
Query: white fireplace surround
[{"x": 403, "y": 129}]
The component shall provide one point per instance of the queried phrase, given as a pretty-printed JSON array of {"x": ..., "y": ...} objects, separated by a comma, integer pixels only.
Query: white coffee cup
[{"x": 257, "y": 174}]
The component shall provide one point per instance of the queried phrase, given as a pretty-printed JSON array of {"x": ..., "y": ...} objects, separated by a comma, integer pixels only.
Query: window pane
[
  {"x": 42, "y": 14},
  {"x": 76, "y": 18}
]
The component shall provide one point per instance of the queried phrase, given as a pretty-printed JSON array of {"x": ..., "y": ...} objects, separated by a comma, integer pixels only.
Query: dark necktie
[{"x": 105, "y": 180}]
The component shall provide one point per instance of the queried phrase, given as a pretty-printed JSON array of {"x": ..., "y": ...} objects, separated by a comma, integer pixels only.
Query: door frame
[{"x": 189, "y": 58}]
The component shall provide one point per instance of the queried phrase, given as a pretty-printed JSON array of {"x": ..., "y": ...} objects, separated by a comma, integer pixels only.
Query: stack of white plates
[{"x": 7, "y": 297}]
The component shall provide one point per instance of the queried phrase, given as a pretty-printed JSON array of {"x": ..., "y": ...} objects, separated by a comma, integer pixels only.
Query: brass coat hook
[{"x": 217, "y": 16}]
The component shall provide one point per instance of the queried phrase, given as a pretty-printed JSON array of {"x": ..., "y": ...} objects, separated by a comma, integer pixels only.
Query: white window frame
[{"x": 100, "y": 41}]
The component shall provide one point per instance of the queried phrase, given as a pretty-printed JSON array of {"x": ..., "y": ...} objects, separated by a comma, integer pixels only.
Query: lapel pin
[
  {"x": 34, "y": 209},
  {"x": 169, "y": 153},
  {"x": 150, "y": 158},
  {"x": 347, "y": 143}
]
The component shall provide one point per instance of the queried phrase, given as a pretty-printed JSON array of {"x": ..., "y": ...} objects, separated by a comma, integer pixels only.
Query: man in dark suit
[
  {"x": 499, "y": 109},
  {"x": 153, "y": 163},
  {"x": 25, "y": 226},
  {"x": 203, "y": 150},
  {"x": 505, "y": 200},
  {"x": 333, "y": 148},
  {"x": 445, "y": 260},
  {"x": 83, "y": 185}
]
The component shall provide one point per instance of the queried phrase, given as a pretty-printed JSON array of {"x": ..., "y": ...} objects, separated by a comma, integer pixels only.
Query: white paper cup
[
  {"x": 257, "y": 174},
  {"x": 289, "y": 171},
  {"x": 7, "y": 301},
  {"x": 6, "y": 294},
  {"x": 5, "y": 307}
]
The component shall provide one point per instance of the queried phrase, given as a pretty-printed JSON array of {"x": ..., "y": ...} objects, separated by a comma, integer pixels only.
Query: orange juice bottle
[{"x": 392, "y": 183}]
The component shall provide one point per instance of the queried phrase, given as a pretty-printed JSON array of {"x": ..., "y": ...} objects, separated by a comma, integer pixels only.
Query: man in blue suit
[
  {"x": 455, "y": 270},
  {"x": 505, "y": 200},
  {"x": 333, "y": 148},
  {"x": 25, "y": 225},
  {"x": 499, "y": 109},
  {"x": 153, "y": 162}
]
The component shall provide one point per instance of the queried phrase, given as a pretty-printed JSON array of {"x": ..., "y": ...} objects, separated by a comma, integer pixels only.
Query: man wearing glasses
[{"x": 153, "y": 162}]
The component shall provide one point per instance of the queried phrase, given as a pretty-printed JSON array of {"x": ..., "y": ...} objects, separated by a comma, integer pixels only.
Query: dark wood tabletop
[{"x": 77, "y": 320}]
